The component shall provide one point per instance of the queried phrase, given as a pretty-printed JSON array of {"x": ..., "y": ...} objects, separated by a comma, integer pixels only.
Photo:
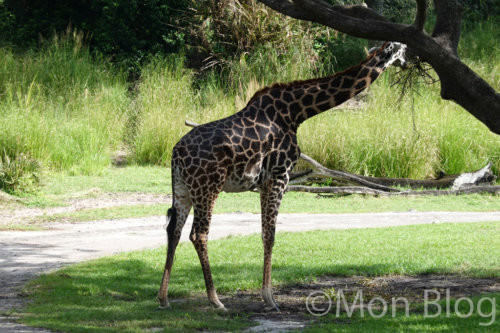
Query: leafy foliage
[
  {"x": 479, "y": 10},
  {"x": 212, "y": 31},
  {"x": 124, "y": 29},
  {"x": 221, "y": 30},
  {"x": 18, "y": 174}
]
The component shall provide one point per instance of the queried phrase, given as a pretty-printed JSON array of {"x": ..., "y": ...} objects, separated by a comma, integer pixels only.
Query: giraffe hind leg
[{"x": 176, "y": 218}]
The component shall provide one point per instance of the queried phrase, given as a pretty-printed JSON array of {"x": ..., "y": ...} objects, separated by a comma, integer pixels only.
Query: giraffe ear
[{"x": 371, "y": 51}]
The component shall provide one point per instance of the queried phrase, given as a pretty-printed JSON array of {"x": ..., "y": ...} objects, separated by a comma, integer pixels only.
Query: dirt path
[
  {"x": 94, "y": 199},
  {"x": 24, "y": 255}
]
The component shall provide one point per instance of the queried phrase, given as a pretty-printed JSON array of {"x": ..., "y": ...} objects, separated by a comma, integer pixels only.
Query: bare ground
[
  {"x": 292, "y": 299},
  {"x": 92, "y": 199}
]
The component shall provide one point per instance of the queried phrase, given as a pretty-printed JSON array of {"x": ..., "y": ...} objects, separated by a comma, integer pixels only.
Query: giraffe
[{"x": 255, "y": 148}]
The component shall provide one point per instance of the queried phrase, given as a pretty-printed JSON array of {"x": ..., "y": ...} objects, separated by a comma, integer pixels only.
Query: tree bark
[
  {"x": 321, "y": 170},
  {"x": 481, "y": 176},
  {"x": 458, "y": 82},
  {"x": 348, "y": 190}
]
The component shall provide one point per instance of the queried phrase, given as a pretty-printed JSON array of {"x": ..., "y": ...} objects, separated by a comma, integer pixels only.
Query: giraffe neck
[{"x": 298, "y": 101}]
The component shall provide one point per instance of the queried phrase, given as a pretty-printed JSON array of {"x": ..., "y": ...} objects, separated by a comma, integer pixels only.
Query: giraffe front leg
[{"x": 271, "y": 196}]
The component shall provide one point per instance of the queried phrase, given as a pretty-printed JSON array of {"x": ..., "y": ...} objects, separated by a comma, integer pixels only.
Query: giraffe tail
[{"x": 172, "y": 223}]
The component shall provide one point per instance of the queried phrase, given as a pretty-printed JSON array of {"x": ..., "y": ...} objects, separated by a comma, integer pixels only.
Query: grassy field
[{"x": 118, "y": 293}]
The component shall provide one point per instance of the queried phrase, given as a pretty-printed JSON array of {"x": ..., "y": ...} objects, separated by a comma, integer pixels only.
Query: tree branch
[
  {"x": 362, "y": 25},
  {"x": 458, "y": 82},
  {"x": 448, "y": 24},
  {"x": 421, "y": 14},
  {"x": 288, "y": 8},
  {"x": 361, "y": 12}
]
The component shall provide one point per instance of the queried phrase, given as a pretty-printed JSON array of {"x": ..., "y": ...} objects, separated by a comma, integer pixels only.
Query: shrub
[
  {"x": 18, "y": 174},
  {"x": 126, "y": 29},
  {"x": 221, "y": 30}
]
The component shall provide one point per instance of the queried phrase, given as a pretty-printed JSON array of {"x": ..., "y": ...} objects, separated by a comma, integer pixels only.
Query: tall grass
[
  {"x": 61, "y": 105},
  {"x": 165, "y": 98},
  {"x": 167, "y": 95},
  {"x": 70, "y": 110},
  {"x": 388, "y": 136}
]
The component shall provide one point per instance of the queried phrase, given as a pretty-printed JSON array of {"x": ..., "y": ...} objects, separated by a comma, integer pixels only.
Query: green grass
[
  {"x": 144, "y": 179},
  {"x": 294, "y": 203},
  {"x": 60, "y": 187},
  {"x": 62, "y": 106},
  {"x": 157, "y": 180},
  {"x": 20, "y": 227},
  {"x": 118, "y": 293},
  {"x": 71, "y": 110}
]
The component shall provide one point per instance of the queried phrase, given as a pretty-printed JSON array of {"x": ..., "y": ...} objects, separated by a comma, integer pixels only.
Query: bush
[
  {"x": 223, "y": 31},
  {"x": 126, "y": 29},
  {"x": 19, "y": 174}
]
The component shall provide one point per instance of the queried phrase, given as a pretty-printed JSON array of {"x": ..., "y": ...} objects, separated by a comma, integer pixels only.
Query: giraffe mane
[{"x": 292, "y": 84}]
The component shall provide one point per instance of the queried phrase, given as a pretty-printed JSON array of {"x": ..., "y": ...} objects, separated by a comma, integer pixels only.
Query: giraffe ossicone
[{"x": 255, "y": 148}]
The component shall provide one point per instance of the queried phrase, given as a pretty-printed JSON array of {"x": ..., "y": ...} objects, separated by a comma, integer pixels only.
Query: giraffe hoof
[
  {"x": 222, "y": 308},
  {"x": 164, "y": 307},
  {"x": 268, "y": 298},
  {"x": 218, "y": 306},
  {"x": 164, "y": 304},
  {"x": 272, "y": 308}
]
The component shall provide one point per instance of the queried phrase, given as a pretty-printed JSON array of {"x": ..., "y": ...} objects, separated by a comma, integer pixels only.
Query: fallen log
[
  {"x": 348, "y": 190},
  {"x": 481, "y": 176},
  {"x": 337, "y": 190},
  {"x": 323, "y": 171}
]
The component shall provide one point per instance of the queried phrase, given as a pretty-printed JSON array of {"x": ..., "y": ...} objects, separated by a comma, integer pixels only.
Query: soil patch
[{"x": 292, "y": 299}]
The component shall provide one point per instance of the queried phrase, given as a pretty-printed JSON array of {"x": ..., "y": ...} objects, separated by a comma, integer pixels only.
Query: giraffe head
[{"x": 395, "y": 53}]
